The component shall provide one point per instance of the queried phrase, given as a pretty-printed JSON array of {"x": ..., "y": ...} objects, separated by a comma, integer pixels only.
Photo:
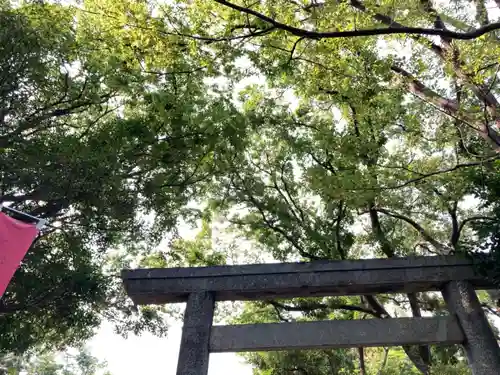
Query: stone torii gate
[{"x": 201, "y": 287}]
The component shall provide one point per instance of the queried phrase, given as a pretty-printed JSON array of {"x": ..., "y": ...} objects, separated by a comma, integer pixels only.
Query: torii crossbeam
[{"x": 200, "y": 287}]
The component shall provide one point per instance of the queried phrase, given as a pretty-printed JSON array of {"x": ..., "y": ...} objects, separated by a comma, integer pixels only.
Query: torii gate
[{"x": 200, "y": 287}]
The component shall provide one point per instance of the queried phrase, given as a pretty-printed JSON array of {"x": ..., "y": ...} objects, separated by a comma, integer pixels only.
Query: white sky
[{"x": 148, "y": 354}]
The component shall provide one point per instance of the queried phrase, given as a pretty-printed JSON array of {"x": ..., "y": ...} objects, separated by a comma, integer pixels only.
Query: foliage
[
  {"x": 388, "y": 147},
  {"x": 79, "y": 363},
  {"x": 93, "y": 148},
  {"x": 376, "y": 156}
]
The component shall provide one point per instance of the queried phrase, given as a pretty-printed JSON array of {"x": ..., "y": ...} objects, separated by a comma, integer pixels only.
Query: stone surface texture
[
  {"x": 194, "y": 351},
  {"x": 336, "y": 334},
  {"x": 480, "y": 344}
]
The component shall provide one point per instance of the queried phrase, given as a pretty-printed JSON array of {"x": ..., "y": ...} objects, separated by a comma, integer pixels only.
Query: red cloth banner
[{"x": 16, "y": 238}]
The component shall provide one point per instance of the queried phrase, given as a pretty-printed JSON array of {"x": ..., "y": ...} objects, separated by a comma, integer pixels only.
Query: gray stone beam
[
  {"x": 336, "y": 334},
  {"x": 283, "y": 280}
]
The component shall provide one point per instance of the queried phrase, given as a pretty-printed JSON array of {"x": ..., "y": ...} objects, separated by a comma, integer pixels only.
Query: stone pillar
[
  {"x": 194, "y": 349},
  {"x": 480, "y": 343}
]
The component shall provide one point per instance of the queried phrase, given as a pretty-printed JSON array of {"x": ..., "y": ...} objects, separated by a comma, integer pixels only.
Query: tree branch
[
  {"x": 388, "y": 250},
  {"x": 376, "y": 306},
  {"x": 479, "y": 90},
  {"x": 450, "y": 107},
  {"x": 379, "y": 234},
  {"x": 278, "y": 313},
  {"x": 423, "y": 176},
  {"x": 294, "y": 47},
  {"x": 473, "y": 218},
  {"x": 389, "y": 21},
  {"x": 424, "y": 351},
  {"x": 418, "y": 88},
  {"x": 322, "y": 306},
  {"x": 367, "y": 32},
  {"x": 340, "y": 216},
  {"x": 455, "y": 232},
  {"x": 362, "y": 367},
  {"x": 481, "y": 12},
  {"x": 410, "y": 351},
  {"x": 279, "y": 230},
  {"x": 384, "y": 361},
  {"x": 436, "y": 19},
  {"x": 418, "y": 227}
]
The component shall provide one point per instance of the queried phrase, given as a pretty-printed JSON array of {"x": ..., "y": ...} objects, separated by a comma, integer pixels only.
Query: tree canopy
[
  {"x": 335, "y": 129},
  {"x": 76, "y": 362}
]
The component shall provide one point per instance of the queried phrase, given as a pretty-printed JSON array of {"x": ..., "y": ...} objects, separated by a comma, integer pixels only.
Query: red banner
[{"x": 16, "y": 238}]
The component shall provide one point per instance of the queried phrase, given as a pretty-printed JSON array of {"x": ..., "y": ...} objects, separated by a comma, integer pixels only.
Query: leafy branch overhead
[{"x": 393, "y": 29}]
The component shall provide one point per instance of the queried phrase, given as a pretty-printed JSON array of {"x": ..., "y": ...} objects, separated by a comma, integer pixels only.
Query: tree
[
  {"x": 380, "y": 140},
  {"x": 79, "y": 362},
  {"x": 90, "y": 145}
]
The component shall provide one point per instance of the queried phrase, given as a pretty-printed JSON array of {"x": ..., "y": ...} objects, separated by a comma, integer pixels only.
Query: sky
[{"x": 148, "y": 354}]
